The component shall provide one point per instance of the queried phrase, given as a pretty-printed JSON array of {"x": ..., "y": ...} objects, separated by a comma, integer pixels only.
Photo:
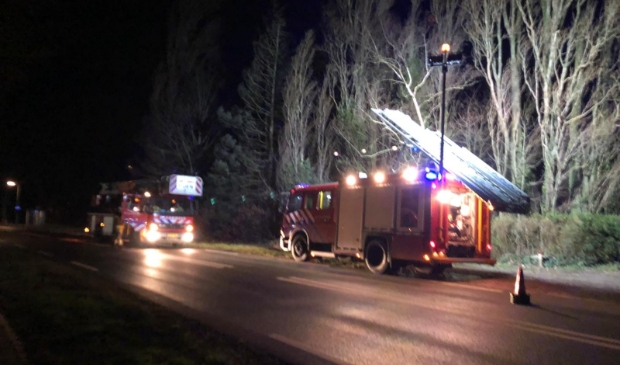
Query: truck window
[
  {"x": 168, "y": 205},
  {"x": 294, "y": 203},
  {"x": 325, "y": 200},
  {"x": 133, "y": 204},
  {"x": 309, "y": 201},
  {"x": 409, "y": 207}
]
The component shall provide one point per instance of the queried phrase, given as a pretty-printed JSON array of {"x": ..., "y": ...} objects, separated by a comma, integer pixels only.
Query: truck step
[{"x": 322, "y": 254}]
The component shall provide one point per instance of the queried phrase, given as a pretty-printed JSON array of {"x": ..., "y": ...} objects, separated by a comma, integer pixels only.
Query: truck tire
[
  {"x": 299, "y": 248},
  {"x": 376, "y": 257}
]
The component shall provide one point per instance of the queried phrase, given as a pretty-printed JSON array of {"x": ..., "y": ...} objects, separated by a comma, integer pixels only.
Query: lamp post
[
  {"x": 444, "y": 61},
  {"x": 12, "y": 184}
]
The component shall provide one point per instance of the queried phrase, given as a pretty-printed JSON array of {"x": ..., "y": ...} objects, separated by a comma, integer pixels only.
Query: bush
[
  {"x": 247, "y": 222},
  {"x": 582, "y": 239}
]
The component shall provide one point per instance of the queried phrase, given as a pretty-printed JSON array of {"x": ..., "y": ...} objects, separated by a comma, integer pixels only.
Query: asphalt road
[{"x": 310, "y": 314}]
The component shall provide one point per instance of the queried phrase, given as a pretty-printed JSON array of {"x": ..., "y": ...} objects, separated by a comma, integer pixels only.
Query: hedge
[{"x": 575, "y": 239}]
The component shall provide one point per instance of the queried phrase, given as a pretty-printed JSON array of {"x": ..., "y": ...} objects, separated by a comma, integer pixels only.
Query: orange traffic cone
[{"x": 519, "y": 296}]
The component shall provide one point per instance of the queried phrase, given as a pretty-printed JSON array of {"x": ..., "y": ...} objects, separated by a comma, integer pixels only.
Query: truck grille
[{"x": 170, "y": 226}]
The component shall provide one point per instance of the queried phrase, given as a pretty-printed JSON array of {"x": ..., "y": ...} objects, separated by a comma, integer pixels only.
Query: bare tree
[
  {"x": 405, "y": 50},
  {"x": 469, "y": 128},
  {"x": 349, "y": 31},
  {"x": 181, "y": 126},
  {"x": 261, "y": 94},
  {"x": 300, "y": 92},
  {"x": 323, "y": 130},
  {"x": 491, "y": 25},
  {"x": 599, "y": 155},
  {"x": 567, "y": 39}
]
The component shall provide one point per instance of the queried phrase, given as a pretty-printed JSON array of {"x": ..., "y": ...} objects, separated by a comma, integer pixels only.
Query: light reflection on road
[{"x": 152, "y": 258}]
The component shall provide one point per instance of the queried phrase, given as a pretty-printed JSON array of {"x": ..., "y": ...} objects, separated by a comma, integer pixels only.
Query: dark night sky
[{"x": 76, "y": 77}]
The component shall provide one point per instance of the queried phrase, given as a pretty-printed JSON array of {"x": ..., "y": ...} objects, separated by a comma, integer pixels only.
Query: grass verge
[
  {"x": 250, "y": 249},
  {"x": 271, "y": 251},
  {"x": 66, "y": 316}
]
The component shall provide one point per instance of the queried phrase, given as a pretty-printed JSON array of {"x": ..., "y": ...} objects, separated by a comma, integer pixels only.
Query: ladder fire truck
[
  {"x": 417, "y": 217},
  {"x": 146, "y": 211}
]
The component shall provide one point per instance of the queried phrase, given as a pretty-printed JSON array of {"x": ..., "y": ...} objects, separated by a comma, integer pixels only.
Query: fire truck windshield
[
  {"x": 294, "y": 203},
  {"x": 168, "y": 206}
]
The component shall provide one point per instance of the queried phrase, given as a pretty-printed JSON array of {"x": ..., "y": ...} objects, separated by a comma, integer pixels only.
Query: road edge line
[
  {"x": 84, "y": 266},
  {"x": 45, "y": 253},
  {"x": 17, "y": 344}
]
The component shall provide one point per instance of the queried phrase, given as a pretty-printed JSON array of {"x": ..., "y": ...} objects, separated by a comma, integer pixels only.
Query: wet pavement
[{"x": 310, "y": 313}]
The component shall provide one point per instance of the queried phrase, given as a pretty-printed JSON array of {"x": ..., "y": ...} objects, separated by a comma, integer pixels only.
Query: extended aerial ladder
[{"x": 478, "y": 176}]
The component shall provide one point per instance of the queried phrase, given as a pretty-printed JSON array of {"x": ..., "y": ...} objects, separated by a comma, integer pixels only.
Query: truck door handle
[{"x": 325, "y": 219}]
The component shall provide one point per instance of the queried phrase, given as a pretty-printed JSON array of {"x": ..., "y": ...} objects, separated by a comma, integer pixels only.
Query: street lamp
[
  {"x": 444, "y": 60},
  {"x": 12, "y": 184}
]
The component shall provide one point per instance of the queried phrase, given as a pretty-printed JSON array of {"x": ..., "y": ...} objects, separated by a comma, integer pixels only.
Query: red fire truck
[
  {"x": 147, "y": 211},
  {"x": 413, "y": 218}
]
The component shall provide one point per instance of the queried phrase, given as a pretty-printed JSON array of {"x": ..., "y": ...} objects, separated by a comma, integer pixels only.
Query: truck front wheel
[
  {"x": 376, "y": 257},
  {"x": 299, "y": 248}
]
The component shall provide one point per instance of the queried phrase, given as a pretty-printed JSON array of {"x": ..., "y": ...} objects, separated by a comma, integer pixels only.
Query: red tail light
[
  {"x": 432, "y": 243},
  {"x": 489, "y": 247}
]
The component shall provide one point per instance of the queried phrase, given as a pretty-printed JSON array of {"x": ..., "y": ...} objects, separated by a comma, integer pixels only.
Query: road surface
[{"x": 311, "y": 314}]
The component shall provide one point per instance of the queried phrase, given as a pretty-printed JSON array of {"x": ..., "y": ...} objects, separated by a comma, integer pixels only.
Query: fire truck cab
[
  {"x": 147, "y": 211},
  {"x": 156, "y": 218}
]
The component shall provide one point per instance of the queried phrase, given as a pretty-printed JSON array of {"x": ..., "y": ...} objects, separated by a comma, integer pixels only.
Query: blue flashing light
[
  {"x": 430, "y": 175},
  {"x": 17, "y": 207}
]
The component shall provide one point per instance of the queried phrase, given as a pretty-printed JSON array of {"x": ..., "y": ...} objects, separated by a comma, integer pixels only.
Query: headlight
[
  {"x": 153, "y": 227},
  {"x": 189, "y": 228},
  {"x": 152, "y": 236},
  {"x": 187, "y": 237}
]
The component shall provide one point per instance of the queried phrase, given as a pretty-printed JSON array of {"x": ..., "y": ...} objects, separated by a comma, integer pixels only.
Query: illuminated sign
[{"x": 185, "y": 185}]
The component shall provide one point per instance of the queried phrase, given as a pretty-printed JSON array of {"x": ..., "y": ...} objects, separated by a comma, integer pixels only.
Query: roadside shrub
[
  {"x": 247, "y": 222},
  {"x": 578, "y": 239},
  {"x": 595, "y": 239}
]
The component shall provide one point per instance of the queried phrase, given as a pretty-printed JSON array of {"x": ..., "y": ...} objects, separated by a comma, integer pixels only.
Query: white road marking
[
  {"x": 20, "y": 246},
  {"x": 306, "y": 348},
  {"x": 45, "y": 253},
  {"x": 526, "y": 326},
  {"x": 84, "y": 266},
  {"x": 544, "y": 328},
  {"x": 578, "y": 337}
]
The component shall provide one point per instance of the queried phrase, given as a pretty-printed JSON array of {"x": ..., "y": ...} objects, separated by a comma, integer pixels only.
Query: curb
[{"x": 17, "y": 344}]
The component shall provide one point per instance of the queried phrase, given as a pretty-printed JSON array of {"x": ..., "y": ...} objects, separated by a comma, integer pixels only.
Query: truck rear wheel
[
  {"x": 299, "y": 248},
  {"x": 376, "y": 257}
]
